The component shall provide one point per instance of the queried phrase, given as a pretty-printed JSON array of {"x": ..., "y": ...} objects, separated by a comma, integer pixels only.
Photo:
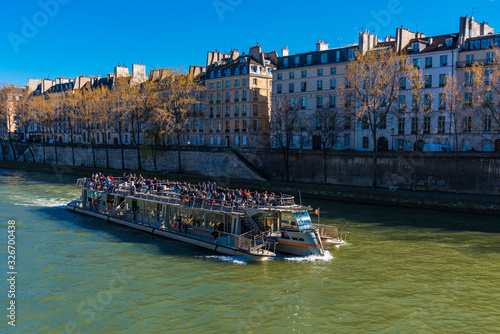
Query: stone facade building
[{"x": 238, "y": 98}]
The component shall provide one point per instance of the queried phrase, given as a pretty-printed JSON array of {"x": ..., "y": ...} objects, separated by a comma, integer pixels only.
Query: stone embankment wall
[
  {"x": 217, "y": 164},
  {"x": 465, "y": 172},
  {"x": 469, "y": 172}
]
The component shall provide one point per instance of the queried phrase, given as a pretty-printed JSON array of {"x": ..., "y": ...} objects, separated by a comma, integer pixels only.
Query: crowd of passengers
[{"x": 206, "y": 190}]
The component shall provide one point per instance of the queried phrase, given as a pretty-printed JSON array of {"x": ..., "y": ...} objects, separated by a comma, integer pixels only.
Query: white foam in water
[
  {"x": 227, "y": 258},
  {"x": 310, "y": 258},
  {"x": 43, "y": 202}
]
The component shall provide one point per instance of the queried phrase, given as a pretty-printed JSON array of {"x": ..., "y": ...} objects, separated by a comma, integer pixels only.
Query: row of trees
[
  {"x": 146, "y": 111},
  {"x": 373, "y": 91}
]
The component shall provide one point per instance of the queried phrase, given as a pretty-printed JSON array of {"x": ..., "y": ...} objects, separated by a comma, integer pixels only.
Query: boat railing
[
  {"x": 330, "y": 232},
  {"x": 117, "y": 186}
]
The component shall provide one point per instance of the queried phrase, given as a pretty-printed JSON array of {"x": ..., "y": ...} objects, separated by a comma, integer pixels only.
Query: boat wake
[
  {"x": 42, "y": 202},
  {"x": 227, "y": 258},
  {"x": 310, "y": 258}
]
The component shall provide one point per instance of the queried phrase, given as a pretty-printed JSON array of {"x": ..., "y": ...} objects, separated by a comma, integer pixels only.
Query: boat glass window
[{"x": 303, "y": 220}]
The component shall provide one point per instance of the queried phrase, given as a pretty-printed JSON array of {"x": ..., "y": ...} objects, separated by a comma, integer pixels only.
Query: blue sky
[{"x": 51, "y": 38}]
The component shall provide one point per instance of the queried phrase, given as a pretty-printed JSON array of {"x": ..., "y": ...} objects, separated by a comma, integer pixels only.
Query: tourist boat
[{"x": 229, "y": 227}]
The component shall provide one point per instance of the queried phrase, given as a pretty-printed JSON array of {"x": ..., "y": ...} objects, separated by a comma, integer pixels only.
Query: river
[{"x": 403, "y": 270}]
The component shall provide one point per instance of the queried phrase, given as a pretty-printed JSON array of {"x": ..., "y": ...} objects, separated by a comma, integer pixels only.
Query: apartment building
[
  {"x": 238, "y": 98},
  {"x": 310, "y": 79}
]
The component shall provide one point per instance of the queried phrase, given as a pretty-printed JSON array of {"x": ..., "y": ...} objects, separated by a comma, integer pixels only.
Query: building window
[
  {"x": 486, "y": 123},
  {"x": 228, "y": 110},
  {"x": 218, "y": 84},
  {"x": 333, "y": 84},
  {"x": 304, "y": 74},
  {"x": 280, "y": 76},
  {"x": 469, "y": 75},
  {"x": 297, "y": 61},
  {"x": 414, "y": 125},
  {"x": 428, "y": 62},
  {"x": 228, "y": 96},
  {"x": 470, "y": 59},
  {"x": 291, "y": 75},
  {"x": 255, "y": 110},
  {"x": 285, "y": 62},
  {"x": 416, "y": 62},
  {"x": 309, "y": 59},
  {"x": 320, "y": 85},
  {"x": 320, "y": 72},
  {"x": 236, "y": 126},
  {"x": 227, "y": 126},
  {"x": 490, "y": 56},
  {"x": 236, "y": 96},
  {"x": 333, "y": 101},
  {"x": 244, "y": 95},
  {"x": 428, "y": 81},
  {"x": 324, "y": 58},
  {"x": 303, "y": 104},
  {"x": 442, "y": 101},
  {"x": 415, "y": 47},
  {"x": 236, "y": 82},
  {"x": 303, "y": 86},
  {"x": 348, "y": 100},
  {"x": 441, "y": 124},
  {"x": 402, "y": 102},
  {"x": 351, "y": 54},
  {"x": 402, "y": 83},
  {"x": 255, "y": 125},
  {"x": 319, "y": 102},
  {"x": 427, "y": 124},
  {"x": 228, "y": 83},
  {"x": 442, "y": 80},
  {"x": 347, "y": 122},
  {"x": 255, "y": 82},
  {"x": 400, "y": 144},
  {"x": 211, "y": 85},
  {"x": 333, "y": 70},
  {"x": 366, "y": 142},
  {"x": 347, "y": 139},
  {"x": 364, "y": 122},
  {"x": 291, "y": 88},
  {"x": 236, "y": 111},
  {"x": 448, "y": 41},
  {"x": 468, "y": 99},
  {"x": 467, "y": 122},
  {"x": 401, "y": 126},
  {"x": 244, "y": 82},
  {"x": 337, "y": 56},
  {"x": 427, "y": 102},
  {"x": 280, "y": 89},
  {"x": 244, "y": 127},
  {"x": 443, "y": 61},
  {"x": 244, "y": 111}
]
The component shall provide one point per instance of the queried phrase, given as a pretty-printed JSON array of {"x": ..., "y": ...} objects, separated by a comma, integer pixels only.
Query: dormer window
[
  {"x": 448, "y": 41},
  {"x": 211, "y": 74},
  {"x": 218, "y": 74},
  {"x": 415, "y": 47},
  {"x": 237, "y": 71}
]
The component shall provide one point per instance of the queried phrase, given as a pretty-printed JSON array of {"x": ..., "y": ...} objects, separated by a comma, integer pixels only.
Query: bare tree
[
  {"x": 285, "y": 127},
  {"x": 25, "y": 114},
  {"x": 117, "y": 104},
  {"x": 372, "y": 84},
  {"x": 177, "y": 91},
  {"x": 326, "y": 123},
  {"x": 8, "y": 97}
]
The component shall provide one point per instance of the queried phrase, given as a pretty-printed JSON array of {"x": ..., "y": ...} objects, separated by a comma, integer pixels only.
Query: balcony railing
[{"x": 469, "y": 63}]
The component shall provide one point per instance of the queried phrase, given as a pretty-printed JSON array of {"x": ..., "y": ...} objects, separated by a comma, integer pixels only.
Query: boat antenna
[
  {"x": 344, "y": 225},
  {"x": 300, "y": 198}
]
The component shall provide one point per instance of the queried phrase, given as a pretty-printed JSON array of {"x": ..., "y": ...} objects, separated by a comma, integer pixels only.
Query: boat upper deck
[{"x": 205, "y": 196}]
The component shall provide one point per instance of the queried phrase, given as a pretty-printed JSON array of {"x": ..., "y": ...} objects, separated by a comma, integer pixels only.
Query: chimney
[
  {"x": 284, "y": 52},
  {"x": 255, "y": 51},
  {"x": 321, "y": 46},
  {"x": 235, "y": 54},
  {"x": 98, "y": 77}
]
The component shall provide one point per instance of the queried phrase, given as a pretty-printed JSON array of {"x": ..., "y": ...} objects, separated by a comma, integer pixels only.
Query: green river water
[{"x": 403, "y": 271}]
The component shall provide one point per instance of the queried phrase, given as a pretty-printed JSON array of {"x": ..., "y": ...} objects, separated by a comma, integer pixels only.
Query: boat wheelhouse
[{"x": 236, "y": 226}]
